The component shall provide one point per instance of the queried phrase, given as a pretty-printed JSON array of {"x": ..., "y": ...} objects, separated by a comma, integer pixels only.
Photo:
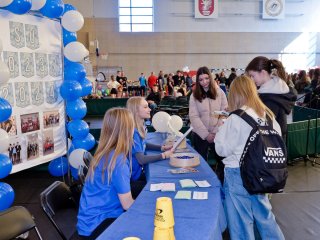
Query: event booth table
[{"x": 194, "y": 219}]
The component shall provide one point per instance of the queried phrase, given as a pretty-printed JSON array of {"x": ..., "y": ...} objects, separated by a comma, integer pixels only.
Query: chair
[
  {"x": 58, "y": 204},
  {"x": 15, "y": 221},
  {"x": 184, "y": 114}
]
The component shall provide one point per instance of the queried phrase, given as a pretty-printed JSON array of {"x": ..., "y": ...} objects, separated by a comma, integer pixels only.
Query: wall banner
[
  {"x": 32, "y": 50},
  {"x": 206, "y": 8}
]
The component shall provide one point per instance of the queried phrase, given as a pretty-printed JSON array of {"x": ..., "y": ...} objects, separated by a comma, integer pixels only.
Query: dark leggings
[
  {"x": 202, "y": 147},
  {"x": 103, "y": 226}
]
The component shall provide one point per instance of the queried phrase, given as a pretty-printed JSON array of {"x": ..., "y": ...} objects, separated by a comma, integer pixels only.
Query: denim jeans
[{"x": 243, "y": 210}]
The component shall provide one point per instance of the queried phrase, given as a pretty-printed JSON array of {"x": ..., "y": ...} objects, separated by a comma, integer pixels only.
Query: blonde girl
[
  {"x": 243, "y": 209},
  {"x": 106, "y": 193},
  {"x": 138, "y": 106}
]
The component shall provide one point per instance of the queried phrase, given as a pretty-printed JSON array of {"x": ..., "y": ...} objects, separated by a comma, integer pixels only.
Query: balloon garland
[{"x": 75, "y": 86}]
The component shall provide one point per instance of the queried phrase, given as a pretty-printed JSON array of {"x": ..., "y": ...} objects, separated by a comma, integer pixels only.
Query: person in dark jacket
[
  {"x": 269, "y": 76},
  {"x": 231, "y": 77}
]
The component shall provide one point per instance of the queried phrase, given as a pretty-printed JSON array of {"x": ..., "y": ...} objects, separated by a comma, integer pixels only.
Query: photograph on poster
[
  {"x": 30, "y": 122},
  {"x": 51, "y": 119},
  {"x": 14, "y": 151},
  {"x": 32, "y": 146},
  {"x": 10, "y": 126},
  {"x": 48, "y": 142}
]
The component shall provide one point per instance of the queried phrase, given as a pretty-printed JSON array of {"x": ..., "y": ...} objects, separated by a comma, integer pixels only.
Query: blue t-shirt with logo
[
  {"x": 99, "y": 200},
  {"x": 139, "y": 146}
]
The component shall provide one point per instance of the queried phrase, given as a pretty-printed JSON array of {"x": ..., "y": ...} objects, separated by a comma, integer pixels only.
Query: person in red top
[{"x": 152, "y": 80}]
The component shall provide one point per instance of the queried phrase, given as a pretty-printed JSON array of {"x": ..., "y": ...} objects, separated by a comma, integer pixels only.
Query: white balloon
[
  {"x": 72, "y": 21},
  {"x": 160, "y": 121},
  {"x": 4, "y": 141},
  {"x": 4, "y": 73},
  {"x": 38, "y": 4},
  {"x": 76, "y": 158},
  {"x": 75, "y": 52},
  {"x": 4, "y": 3},
  {"x": 176, "y": 122}
]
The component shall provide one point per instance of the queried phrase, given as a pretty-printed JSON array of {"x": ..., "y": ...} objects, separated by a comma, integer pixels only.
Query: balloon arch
[{"x": 74, "y": 86}]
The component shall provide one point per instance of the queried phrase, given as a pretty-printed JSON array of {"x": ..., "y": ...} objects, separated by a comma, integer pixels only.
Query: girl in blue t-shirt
[
  {"x": 106, "y": 193},
  {"x": 140, "y": 110}
]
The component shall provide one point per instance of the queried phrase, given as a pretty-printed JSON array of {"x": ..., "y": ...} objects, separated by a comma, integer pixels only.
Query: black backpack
[{"x": 263, "y": 163}]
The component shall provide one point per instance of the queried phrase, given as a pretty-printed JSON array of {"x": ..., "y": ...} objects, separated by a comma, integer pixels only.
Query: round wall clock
[{"x": 273, "y": 7}]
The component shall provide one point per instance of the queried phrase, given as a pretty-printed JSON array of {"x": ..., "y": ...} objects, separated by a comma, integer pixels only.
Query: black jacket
[{"x": 281, "y": 105}]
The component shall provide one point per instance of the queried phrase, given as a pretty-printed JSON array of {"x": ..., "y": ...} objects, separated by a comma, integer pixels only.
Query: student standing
[
  {"x": 269, "y": 76},
  {"x": 206, "y": 98},
  {"x": 138, "y": 106},
  {"x": 243, "y": 209},
  {"x": 106, "y": 193}
]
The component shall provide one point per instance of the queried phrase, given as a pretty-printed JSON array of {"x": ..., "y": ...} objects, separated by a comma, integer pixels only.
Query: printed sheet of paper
[
  {"x": 200, "y": 195},
  {"x": 203, "y": 183},
  {"x": 183, "y": 195},
  {"x": 187, "y": 183},
  {"x": 164, "y": 187}
]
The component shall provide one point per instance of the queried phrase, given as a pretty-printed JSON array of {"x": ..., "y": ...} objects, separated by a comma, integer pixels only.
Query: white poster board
[{"x": 32, "y": 50}]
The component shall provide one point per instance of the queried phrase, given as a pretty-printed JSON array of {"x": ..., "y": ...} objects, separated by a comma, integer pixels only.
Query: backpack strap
[{"x": 246, "y": 117}]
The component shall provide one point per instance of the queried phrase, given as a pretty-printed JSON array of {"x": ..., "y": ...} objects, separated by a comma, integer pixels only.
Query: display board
[{"x": 32, "y": 50}]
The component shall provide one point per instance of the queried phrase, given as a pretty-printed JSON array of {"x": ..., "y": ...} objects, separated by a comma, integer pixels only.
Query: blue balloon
[
  {"x": 74, "y": 173},
  {"x": 68, "y": 7},
  {"x": 58, "y": 167},
  {"x": 66, "y": 61},
  {"x": 86, "y": 143},
  {"x": 86, "y": 86},
  {"x": 68, "y": 37},
  {"x": 70, "y": 90},
  {"x": 76, "y": 109},
  {"x": 53, "y": 8},
  {"x": 74, "y": 71},
  {"x": 78, "y": 128},
  {"x": 5, "y": 166},
  {"x": 6, "y": 196},
  {"x": 6, "y": 109},
  {"x": 20, "y": 6}
]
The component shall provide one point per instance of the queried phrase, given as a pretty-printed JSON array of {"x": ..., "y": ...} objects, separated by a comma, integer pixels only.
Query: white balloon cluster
[
  {"x": 186, "y": 69},
  {"x": 163, "y": 122},
  {"x": 75, "y": 51},
  {"x": 4, "y": 141},
  {"x": 4, "y": 3},
  {"x": 38, "y": 4},
  {"x": 4, "y": 70},
  {"x": 73, "y": 21}
]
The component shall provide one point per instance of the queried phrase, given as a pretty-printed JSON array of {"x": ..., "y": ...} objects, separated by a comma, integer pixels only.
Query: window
[{"x": 135, "y": 15}]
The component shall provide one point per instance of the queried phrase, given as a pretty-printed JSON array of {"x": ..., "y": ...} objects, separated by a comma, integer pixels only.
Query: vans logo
[{"x": 274, "y": 152}]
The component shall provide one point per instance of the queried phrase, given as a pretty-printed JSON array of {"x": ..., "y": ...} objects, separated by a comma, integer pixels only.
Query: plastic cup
[
  {"x": 163, "y": 234},
  {"x": 131, "y": 238},
  {"x": 163, "y": 217}
]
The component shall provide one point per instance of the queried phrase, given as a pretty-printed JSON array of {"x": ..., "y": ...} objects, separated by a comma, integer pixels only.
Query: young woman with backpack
[
  {"x": 243, "y": 209},
  {"x": 269, "y": 76}
]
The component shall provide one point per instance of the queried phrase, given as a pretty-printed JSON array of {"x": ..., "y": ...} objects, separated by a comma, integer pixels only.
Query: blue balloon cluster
[
  {"x": 5, "y": 110},
  {"x": 6, "y": 196},
  {"x": 58, "y": 167},
  {"x": 5, "y": 166},
  {"x": 53, "y": 8},
  {"x": 86, "y": 143},
  {"x": 76, "y": 109},
  {"x": 78, "y": 128}
]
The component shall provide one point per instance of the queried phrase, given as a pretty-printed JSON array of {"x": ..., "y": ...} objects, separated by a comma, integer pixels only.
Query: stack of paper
[
  {"x": 187, "y": 183},
  {"x": 164, "y": 187}
]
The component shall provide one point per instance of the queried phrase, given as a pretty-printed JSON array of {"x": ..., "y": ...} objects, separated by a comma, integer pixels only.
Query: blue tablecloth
[{"x": 194, "y": 219}]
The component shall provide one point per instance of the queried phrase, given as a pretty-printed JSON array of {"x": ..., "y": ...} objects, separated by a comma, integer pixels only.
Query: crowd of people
[{"x": 116, "y": 174}]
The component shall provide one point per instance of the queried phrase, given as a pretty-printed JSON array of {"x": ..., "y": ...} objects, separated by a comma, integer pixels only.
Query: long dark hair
[
  {"x": 199, "y": 92},
  {"x": 269, "y": 65}
]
